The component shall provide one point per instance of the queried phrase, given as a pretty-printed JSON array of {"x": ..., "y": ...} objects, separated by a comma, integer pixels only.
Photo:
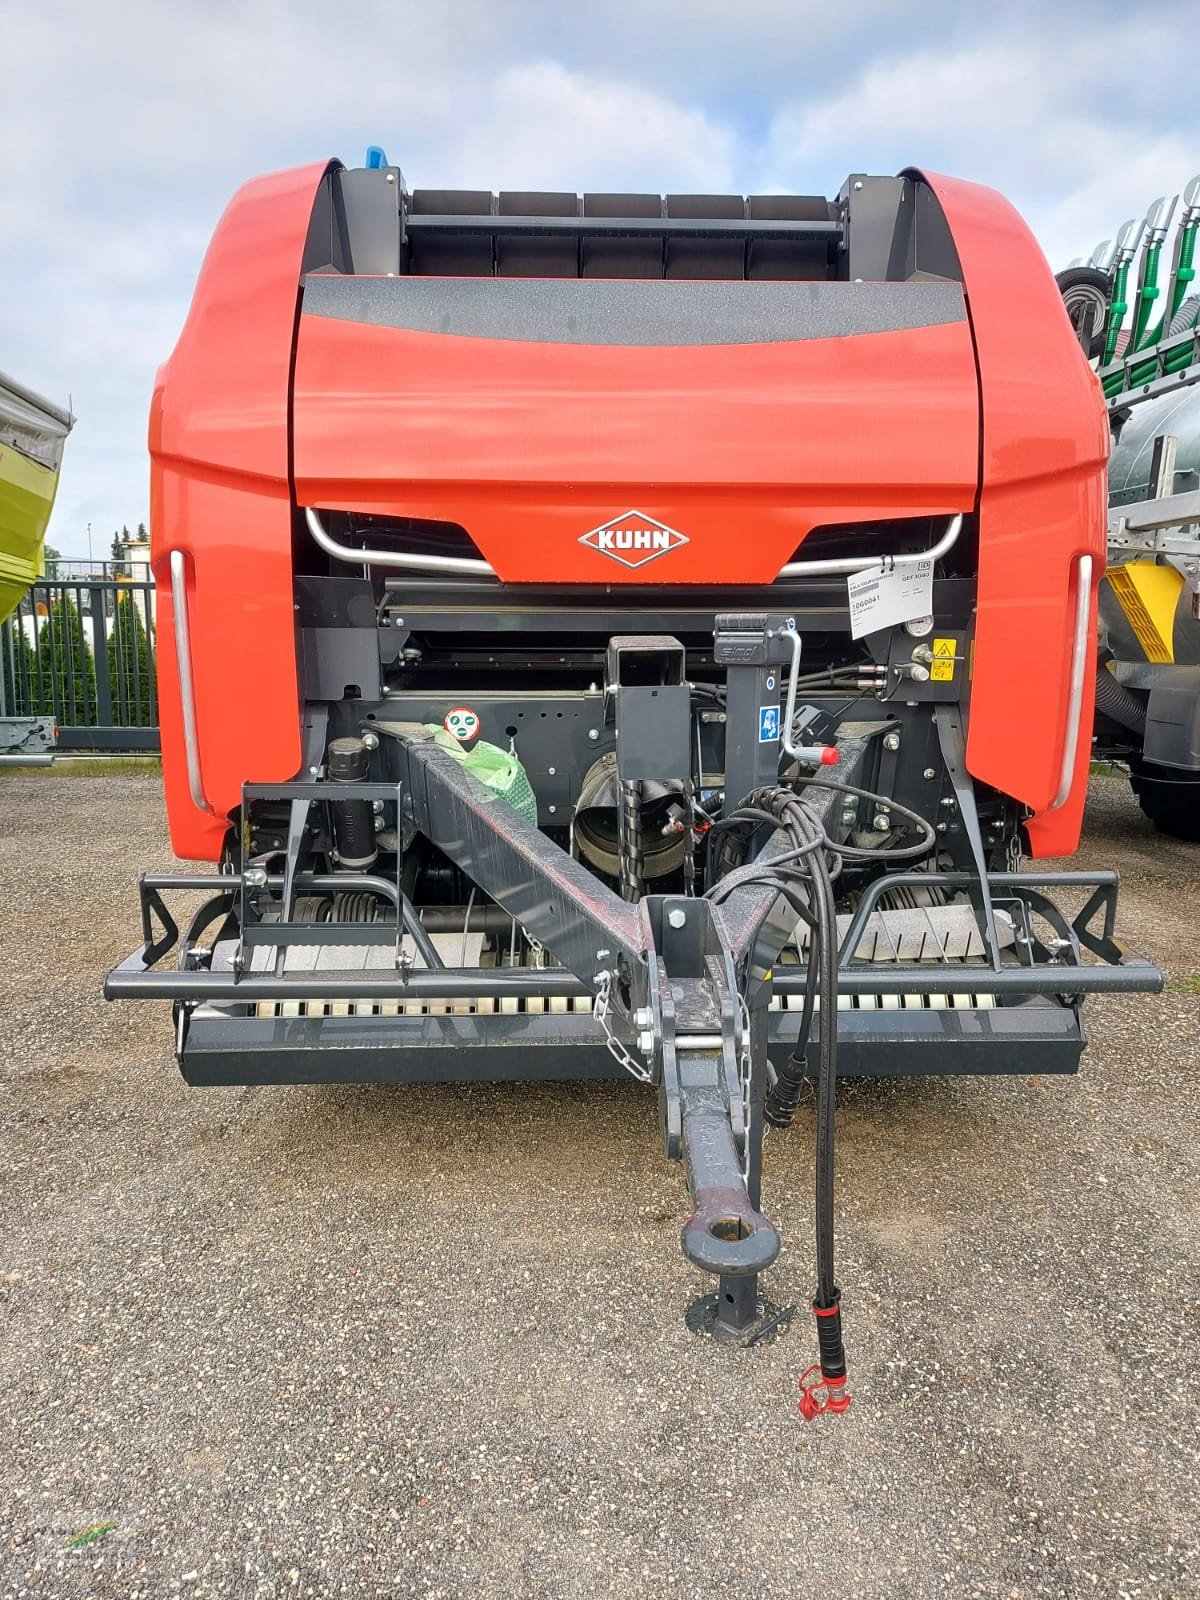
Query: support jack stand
[{"x": 737, "y": 1313}]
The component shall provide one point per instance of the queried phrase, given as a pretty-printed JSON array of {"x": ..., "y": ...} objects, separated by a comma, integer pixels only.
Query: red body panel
[
  {"x": 1042, "y": 504},
  {"x": 741, "y": 448},
  {"x": 220, "y": 492}
]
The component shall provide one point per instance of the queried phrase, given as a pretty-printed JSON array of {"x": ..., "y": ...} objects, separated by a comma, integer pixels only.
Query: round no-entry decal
[{"x": 461, "y": 723}]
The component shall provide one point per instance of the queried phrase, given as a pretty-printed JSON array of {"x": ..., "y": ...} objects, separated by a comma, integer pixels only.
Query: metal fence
[{"x": 81, "y": 649}]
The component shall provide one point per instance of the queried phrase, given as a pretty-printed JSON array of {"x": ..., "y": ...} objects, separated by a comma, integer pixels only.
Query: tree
[
  {"x": 129, "y": 669},
  {"x": 18, "y": 671},
  {"x": 65, "y": 669},
  {"x": 118, "y": 545},
  {"x": 50, "y": 559}
]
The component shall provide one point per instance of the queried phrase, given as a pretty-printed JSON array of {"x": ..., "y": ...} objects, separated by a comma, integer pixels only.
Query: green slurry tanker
[{"x": 1143, "y": 333}]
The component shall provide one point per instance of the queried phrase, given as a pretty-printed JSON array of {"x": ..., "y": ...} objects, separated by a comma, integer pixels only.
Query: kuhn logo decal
[{"x": 633, "y": 539}]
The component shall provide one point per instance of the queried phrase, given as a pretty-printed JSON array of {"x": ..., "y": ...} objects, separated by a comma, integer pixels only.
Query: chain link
[
  {"x": 601, "y": 1011},
  {"x": 1013, "y": 852}
]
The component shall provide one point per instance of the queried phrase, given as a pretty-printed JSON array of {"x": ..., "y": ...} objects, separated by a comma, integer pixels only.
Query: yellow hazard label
[{"x": 942, "y": 669}]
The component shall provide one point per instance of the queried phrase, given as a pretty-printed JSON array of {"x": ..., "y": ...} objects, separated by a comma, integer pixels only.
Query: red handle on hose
[{"x": 819, "y": 1394}]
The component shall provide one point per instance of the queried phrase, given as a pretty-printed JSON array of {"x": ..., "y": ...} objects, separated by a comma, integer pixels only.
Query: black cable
[
  {"x": 804, "y": 875},
  {"x": 877, "y": 852},
  {"x": 805, "y": 915}
]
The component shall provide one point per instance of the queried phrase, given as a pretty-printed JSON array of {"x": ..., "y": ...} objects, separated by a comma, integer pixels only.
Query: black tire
[
  {"x": 1169, "y": 798},
  {"x": 1085, "y": 292}
]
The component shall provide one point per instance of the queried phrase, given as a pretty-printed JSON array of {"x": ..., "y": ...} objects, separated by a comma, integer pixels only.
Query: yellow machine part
[
  {"x": 27, "y": 491},
  {"x": 1148, "y": 595}
]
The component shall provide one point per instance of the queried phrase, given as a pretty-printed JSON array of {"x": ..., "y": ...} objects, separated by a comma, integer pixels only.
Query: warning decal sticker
[{"x": 944, "y": 652}]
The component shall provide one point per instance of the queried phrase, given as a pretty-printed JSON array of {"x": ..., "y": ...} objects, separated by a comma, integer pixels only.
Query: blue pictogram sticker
[{"x": 768, "y": 724}]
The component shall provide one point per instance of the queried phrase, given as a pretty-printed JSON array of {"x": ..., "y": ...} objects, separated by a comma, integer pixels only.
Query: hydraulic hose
[
  {"x": 804, "y": 877},
  {"x": 1119, "y": 704}
]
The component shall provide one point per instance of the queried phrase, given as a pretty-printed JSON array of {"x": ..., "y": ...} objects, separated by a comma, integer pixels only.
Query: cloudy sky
[{"x": 125, "y": 126}]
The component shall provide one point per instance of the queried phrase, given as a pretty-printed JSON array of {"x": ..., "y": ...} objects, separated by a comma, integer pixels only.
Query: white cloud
[
  {"x": 540, "y": 126},
  {"x": 1048, "y": 117},
  {"x": 131, "y": 122}
]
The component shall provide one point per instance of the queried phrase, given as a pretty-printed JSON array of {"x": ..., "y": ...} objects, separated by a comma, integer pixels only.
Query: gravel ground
[{"x": 374, "y": 1341}]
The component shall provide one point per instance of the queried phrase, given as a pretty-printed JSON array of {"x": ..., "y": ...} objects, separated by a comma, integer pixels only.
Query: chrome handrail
[
  {"x": 852, "y": 564},
  {"x": 1079, "y": 660},
  {"x": 432, "y": 563},
  {"x": 789, "y": 713},
  {"x": 392, "y": 558},
  {"x": 187, "y": 691}
]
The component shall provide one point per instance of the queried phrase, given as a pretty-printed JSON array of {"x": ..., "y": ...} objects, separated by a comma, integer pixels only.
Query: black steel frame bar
[
  {"x": 576, "y": 226},
  {"x": 554, "y": 897},
  {"x": 83, "y": 736},
  {"x": 304, "y": 789},
  {"x": 448, "y": 1045},
  {"x": 1098, "y": 881},
  {"x": 133, "y": 980}
]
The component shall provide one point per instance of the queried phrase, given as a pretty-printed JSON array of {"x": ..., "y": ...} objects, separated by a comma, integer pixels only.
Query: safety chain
[
  {"x": 1012, "y": 852},
  {"x": 601, "y": 1011}
]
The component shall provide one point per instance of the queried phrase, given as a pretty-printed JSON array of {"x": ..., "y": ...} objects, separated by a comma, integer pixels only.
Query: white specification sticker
[{"x": 885, "y": 596}]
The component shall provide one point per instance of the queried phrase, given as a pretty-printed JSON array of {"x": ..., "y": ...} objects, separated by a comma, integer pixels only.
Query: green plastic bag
[{"x": 495, "y": 769}]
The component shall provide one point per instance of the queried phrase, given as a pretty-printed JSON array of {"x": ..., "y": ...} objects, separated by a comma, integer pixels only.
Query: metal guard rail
[{"x": 1056, "y": 969}]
